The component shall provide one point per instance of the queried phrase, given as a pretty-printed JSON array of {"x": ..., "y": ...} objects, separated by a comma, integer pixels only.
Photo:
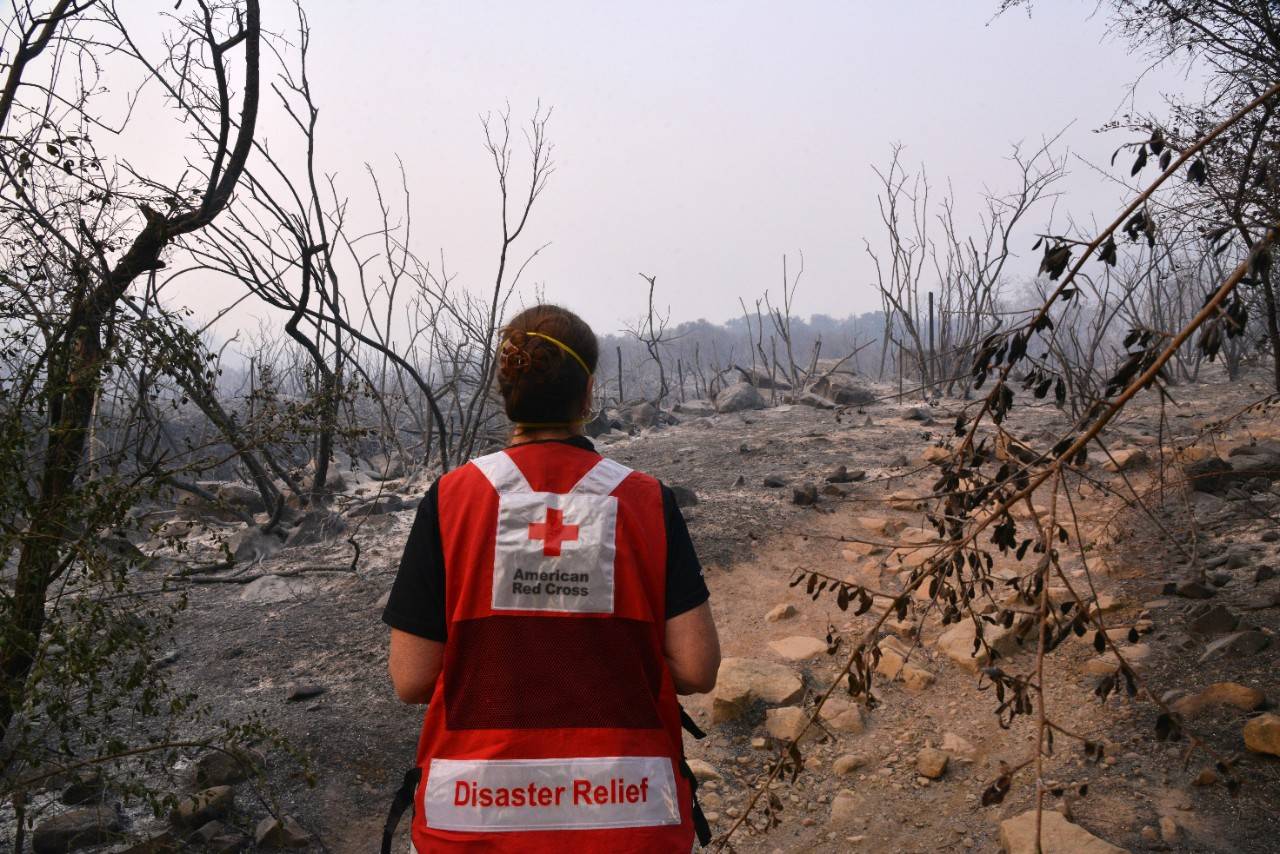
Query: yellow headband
[{"x": 565, "y": 347}]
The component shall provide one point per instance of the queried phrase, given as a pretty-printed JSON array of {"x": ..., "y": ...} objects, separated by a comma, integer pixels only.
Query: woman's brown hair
[{"x": 541, "y": 381}]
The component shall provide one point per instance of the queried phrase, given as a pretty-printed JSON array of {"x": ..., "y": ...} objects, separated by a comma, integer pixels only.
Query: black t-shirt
[{"x": 416, "y": 603}]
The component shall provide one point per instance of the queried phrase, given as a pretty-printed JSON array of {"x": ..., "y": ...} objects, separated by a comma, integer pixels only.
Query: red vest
[{"x": 554, "y": 725}]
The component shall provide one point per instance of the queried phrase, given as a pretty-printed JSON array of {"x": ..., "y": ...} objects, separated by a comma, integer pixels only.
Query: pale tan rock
[
  {"x": 932, "y": 762},
  {"x": 1168, "y": 830},
  {"x": 844, "y": 716},
  {"x": 845, "y": 807},
  {"x": 1134, "y": 654},
  {"x": 798, "y": 648},
  {"x": 1126, "y": 459},
  {"x": 884, "y": 526},
  {"x": 957, "y": 644},
  {"x": 904, "y": 500},
  {"x": 1057, "y": 836},
  {"x": 703, "y": 771},
  {"x": 1243, "y": 697},
  {"x": 961, "y": 749},
  {"x": 1262, "y": 734},
  {"x": 935, "y": 453},
  {"x": 784, "y": 611},
  {"x": 846, "y": 764},
  {"x": 743, "y": 681},
  {"x": 787, "y": 724}
]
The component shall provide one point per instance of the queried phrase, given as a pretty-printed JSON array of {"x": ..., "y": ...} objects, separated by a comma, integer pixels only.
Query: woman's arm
[
  {"x": 692, "y": 650},
  {"x": 414, "y": 664}
]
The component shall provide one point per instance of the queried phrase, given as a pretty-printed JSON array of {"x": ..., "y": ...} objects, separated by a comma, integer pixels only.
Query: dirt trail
[{"x": 245, "y": 655}]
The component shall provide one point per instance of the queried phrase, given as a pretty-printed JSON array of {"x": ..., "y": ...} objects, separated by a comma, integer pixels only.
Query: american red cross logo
[{"x": 553, "y": 532}]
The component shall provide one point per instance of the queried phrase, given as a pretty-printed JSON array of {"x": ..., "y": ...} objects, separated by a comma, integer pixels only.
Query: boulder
[
  {"x": 1107, "y": 663},
  {"x": 316, "y": 526},
  {"x": 1126, "y": 459},
  {"x": 203, "y": 807},
  {"x": 844, "y": 475},
  {"x": 253, "y": 544},
  {"x": 603, "y": 423},
  {"x": 75, "y": 829},
  {"x": 696, "y": 408},
  {"x": 958, "y": 641},
  {"x": 805, "y": 495},
  {"x": 1210, "y": 620},
  {"x": 378, "y": 507},
  {"x": 87, "y": 786},
  {"x": 1057, "y": 836},
  {"x": 643, "y": 414},
  {"x": 780, "y": 612},
  {"x": 798, "y": 647},
  {"x": 739, "y": 397},
  {"x": 1211, "y": 475},
  {"x": 703, "y": 771},
  {"x": 844, "y": 389},
  {"x": 281, "y": 832},
  {"x": 846, "y": 764},
  {"x": 846, "y": 807},
  {"x": 685, "y": 497},
  {"x": 270, "y": 589},
  {"x": 787, "y": 723},
  {"x": 932, "y": 762},
  {"x": 1246, "y": 642},
  {"x": 958, "y": 747},
  {"x": 1242, "y": 697},
  {"x": 744, "y": 681},
  {"x": 842, "y": 715},
  {"x": 1262, "y": 734},
  {"x": 226, "y": 767}
]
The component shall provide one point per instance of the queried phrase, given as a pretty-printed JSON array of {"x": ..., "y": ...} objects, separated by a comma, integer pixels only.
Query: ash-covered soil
[{"x": 865, "y": 785}]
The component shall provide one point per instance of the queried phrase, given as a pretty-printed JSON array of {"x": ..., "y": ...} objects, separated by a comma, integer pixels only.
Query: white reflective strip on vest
[
  {"x": 551, "y": 794},
  {"x": 603, "y": 479},
  {"x": 502, "y": 472}
]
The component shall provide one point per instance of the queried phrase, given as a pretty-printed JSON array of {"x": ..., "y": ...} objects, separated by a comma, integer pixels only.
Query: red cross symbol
[{"x": 553, "y": 532}]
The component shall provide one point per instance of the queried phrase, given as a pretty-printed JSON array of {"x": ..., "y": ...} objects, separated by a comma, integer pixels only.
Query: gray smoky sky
[{"x": 699, "y": 141}]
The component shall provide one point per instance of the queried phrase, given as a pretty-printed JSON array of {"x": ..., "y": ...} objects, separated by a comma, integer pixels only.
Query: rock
[
  {"x": 281, "y": 833},
  {"x": 74, "y": 829},
  {"x": 844, "y": 475},
  {"x": 602, "y": 424},
  {"x": 86, "y": 787},
  {"x": 812, "y": 400},
  {"x": 378, "y": 507},
  {"x": 1107, "y": 663},
  {"x": 805, "y": 495},
  {"x": 893, "y": 664},
  {"x": 845, "y": 807},
  {"x": 1246, "y": 642},
  {"x": 697, "y": 408},
  {"x": 919, "y": 413},
  {"x": 1264, "y": 573},
  {"x": 1212, "y": 475},
  {"x": 773, "y": 481},
  {"x": 316, "y": 526},
  {"x": 881, "y": 525},
  {"x": 1150, "y": 835},
  {"x": 932, "y": 762},
  {"x": 1210, "y": 620},
  {"x": 787, "y": 723},
  {"x": 1206, "y": 777},
  {"x": 1057, "y": 836},
  {"x": 1168, "y": 830},
  {"x": 303, "y": 691},
  {"x": 935, "y": 453},
  {"x": 643, "y": 414},
  {"x": 203, "y": 807},
  {"x": 959, "y": 748},
  {"x": 798, "y": 647},
  {"x": 739, "y": 397},
  {"x": 1190, "y": 589},
  {"x": 1126, "y": 459},
  {"x": 226, "y": 768},
  {"x": 685, "y": 497},
  {"x": 743, "y": 681},
  {"x": 703, "y": 771},
  {"x": 844, "y": 716},
  {"x": 958, "y": 641},
  {"x": 784, "y": 611},
  {"x": 270, "y": 589},
  {"x": 843, "y": 389},
  {"x": 1262, "y": 734},
  {"x": 252, "y": 545},
  {"x": 846, "y": 763},
  {"x": 903, "y": 500},
  {"x": 1242, "y": 697}
]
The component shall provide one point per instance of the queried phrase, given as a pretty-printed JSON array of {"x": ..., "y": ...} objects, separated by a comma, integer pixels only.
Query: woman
[{"x": 549, "y": 607}]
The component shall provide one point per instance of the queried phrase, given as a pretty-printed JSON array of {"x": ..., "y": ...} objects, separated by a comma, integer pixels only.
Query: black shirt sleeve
[
  {"x": 416, "y": 602},
  {"x": 686, "y": 588}
]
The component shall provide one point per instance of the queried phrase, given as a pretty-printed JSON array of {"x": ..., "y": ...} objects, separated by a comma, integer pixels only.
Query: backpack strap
[
  {"x": 403, "y": 800},
  {"x": 700, "y": 824}
]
